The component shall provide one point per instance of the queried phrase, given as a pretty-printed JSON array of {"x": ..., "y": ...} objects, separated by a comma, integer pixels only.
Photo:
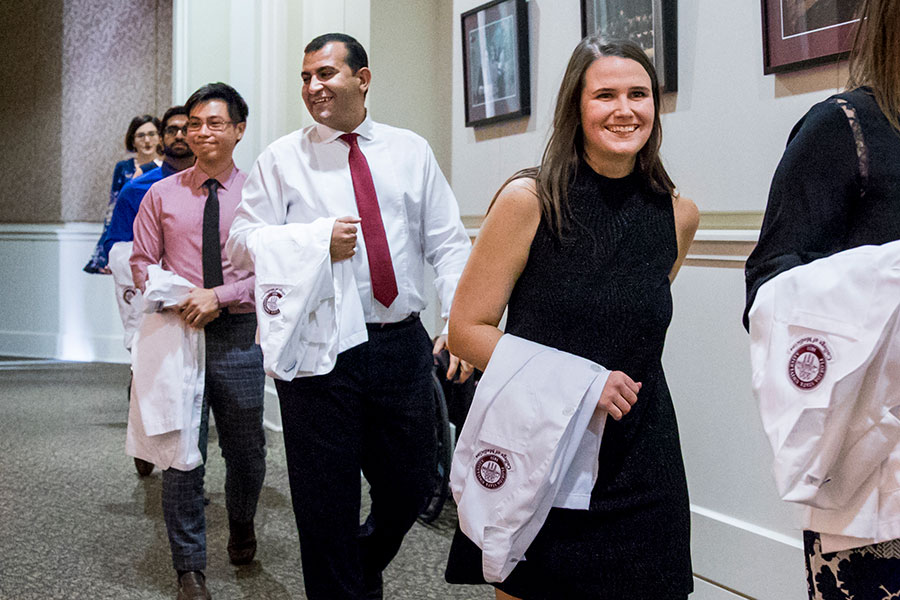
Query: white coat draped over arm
[
  {"x": 531, "y": 412},
  {"x": 307, "y": 307},
  {"x": 168, "y": 360},
  {"x": 825, "y": 353}
]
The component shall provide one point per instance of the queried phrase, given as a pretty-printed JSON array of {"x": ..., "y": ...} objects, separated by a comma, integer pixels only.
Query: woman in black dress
[
  {"x": 838, "y": 187},
  {"x": 582, "y": 250}
]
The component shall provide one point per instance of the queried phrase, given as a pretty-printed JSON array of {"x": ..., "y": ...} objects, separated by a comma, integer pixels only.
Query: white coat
[
  {"x": 528, "y": 420},
  {"x": 129, "y": 299},
  {"x": 307, "y": 307},
  {"x": 168, "y": 362},
  {"x": 825, "y": 353}
]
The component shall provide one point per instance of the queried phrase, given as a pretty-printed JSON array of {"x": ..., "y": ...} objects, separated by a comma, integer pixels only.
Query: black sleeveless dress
[{"x": 603, "y": 293}]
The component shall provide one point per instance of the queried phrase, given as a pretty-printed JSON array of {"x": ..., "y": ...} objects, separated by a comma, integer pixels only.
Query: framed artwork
[
  {"x": 651, "y": 23},
  {"x": 495, "y": 62},
  {"x": 802, "y": 33}
]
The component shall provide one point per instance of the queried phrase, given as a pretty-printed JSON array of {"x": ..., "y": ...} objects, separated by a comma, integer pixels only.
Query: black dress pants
[{"x": 374, "y": 412}]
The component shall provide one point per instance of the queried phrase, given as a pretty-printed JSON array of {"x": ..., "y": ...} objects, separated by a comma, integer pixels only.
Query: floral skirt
[{"x": 865, "y": 573}]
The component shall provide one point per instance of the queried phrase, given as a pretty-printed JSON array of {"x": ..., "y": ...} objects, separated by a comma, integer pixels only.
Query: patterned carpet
[{"x": 76, "y": 522}]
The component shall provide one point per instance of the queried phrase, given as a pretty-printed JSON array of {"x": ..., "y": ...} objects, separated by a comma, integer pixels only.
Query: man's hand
[
  {"x": 199, "y": 308},
  {"x": 618, "y": 395},
  {"x": 465, "y": 369},
  {"x": 343, "y": 238}
]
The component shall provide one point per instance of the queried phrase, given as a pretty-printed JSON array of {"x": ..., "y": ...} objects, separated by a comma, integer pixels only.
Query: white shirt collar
[{"x": 327, "y": 134}]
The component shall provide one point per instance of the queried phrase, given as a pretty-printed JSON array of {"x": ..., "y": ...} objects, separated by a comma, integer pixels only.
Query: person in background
[
  {"x": 838, "y": 187},
  {"x": 182, "y": 224},
  {"x": 582, "y": 251},
  {"x": 142, "y": 138},
  {"x": 177, "y": 156},
  {"x": 373, "y": 409}
]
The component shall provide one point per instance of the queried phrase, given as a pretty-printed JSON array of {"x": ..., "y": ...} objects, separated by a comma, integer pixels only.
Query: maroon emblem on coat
[
  {"x": 128, "y": 294},
  {"x": 270, "y": 301},
  {"x": 491, "y": 468},
  {"x": 808, "y": 364}
]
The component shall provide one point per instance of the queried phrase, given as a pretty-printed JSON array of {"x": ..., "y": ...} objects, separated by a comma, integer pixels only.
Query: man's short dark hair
[
  {"x": 356, "y": 54},
  {"x": 175, "y": 110},
  {"x": 133, "y": 127},
  {"x": 237, "y": 108}
]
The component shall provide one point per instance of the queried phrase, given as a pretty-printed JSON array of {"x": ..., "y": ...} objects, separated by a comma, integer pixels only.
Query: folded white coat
[
  {"x": 825, "y": 354},
  {"x": 530, "y": 442},
  {"x": 128, "y": 298},
  {"x": 168, "y": 361},
  {"x": 307, "y": 307}
]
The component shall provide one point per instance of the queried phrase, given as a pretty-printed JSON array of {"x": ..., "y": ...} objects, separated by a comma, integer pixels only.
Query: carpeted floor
[{"x": 76, "y": 521}]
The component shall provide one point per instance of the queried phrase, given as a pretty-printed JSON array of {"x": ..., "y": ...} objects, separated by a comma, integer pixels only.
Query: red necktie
[{"x": 381, "y": 270}]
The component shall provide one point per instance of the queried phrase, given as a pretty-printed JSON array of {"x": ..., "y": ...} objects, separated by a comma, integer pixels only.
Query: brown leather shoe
[
  {"x": 192, "y": 586},
  {"x": 143, "y": 467},
  {"x": 241, "y": 542}
]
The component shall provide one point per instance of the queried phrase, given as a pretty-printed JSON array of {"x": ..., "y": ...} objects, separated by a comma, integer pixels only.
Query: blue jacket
[{"x": 121, "y": 226}]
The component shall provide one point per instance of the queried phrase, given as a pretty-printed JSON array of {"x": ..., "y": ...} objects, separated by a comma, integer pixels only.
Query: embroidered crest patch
[
  {"x": 270, "y": 301},
  {"x": 491, "y": 468},
  {"x": 808, "y": 362}
]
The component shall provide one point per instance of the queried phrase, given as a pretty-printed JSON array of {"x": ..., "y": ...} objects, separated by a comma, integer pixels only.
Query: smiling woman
[
  {"x": 582, "y": 250},
  {"x": 616, "y": 114},
  {"x": 142, "y": 138}
]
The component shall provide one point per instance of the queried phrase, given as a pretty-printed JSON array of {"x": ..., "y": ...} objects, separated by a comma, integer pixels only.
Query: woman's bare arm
[
  {"x": 687, "y": 219},
  {"x": 498, "y": 258}
]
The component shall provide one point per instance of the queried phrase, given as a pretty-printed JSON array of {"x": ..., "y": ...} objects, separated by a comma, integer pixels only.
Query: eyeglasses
[
  {"x": 145, "y": 134},
  {"x": 212, "y": 124},
  {"x": 172, "y": 130}
]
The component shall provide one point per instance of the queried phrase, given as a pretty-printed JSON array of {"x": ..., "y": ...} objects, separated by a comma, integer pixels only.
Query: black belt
[
  {"x": 236, "y": 317},
  {"x": 412, "y": 318}
]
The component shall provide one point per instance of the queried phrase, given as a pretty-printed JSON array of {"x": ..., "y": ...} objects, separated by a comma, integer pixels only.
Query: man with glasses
[
  {"x": 177, "y": 157},
  {"x": 182, "y": 224}
]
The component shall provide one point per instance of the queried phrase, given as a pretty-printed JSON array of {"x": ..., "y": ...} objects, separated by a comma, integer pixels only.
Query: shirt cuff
[{"x": 226, "y": 294}]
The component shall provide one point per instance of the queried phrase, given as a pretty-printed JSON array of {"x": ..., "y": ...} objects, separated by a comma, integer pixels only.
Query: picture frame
[
  {"x": 496, "y": 69},
  {"x": 798, "y": 34},
  {"x": 651, "y": 23}
]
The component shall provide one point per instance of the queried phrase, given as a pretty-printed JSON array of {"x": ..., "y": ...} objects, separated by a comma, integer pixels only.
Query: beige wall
[
  {"x": 410, "y": 58},
  {"x": 724, "y": 130},
  {"x": 76, "y": 72},
  {"x": 30, "y": 108}
]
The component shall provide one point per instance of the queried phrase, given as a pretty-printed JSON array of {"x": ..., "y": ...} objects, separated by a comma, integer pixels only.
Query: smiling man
[
  {"x": 182, "y": 224},
  {"x": 372, "y": 407},
  {"x": 177, "y": 157}
]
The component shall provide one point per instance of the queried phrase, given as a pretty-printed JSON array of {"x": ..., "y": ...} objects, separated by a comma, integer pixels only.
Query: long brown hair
[
  {"x": 875, "y": 59},
  {"x": 564, "y": 148}
]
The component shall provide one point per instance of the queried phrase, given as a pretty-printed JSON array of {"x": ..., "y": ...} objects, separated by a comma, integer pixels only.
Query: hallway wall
[{"x": 77, "y": 71}]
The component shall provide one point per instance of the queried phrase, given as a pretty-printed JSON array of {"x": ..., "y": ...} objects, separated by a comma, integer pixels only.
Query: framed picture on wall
[
  {"x": 651, "y": 23},
  {"x": 803, "y": 33},
  {"x": 495, "y": 62}
]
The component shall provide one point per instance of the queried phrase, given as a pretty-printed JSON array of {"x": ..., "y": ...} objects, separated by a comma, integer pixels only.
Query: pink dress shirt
[{"x": 168, "y": 230}]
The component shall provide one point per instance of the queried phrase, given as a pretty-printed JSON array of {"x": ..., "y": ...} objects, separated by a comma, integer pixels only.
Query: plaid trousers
[{"x": 234, "y": 388}]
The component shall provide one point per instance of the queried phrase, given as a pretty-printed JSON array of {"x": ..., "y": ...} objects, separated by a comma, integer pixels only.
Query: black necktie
[{"x": 212, "y": 250}]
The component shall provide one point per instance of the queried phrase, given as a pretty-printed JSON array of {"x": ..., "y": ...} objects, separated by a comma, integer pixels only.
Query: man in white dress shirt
[{"x": 374, "y": 411}]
